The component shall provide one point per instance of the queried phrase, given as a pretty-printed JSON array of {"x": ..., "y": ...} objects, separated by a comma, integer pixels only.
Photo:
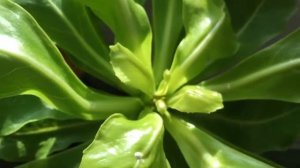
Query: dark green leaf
[
  {"x": 257, "y": 126},
  {"x": 269, "y": 74},
  {"x": 257, "y": 21},
  {"x": 21, "y": 110},
  {"x": 68, "y": 23},
  {"x": 202, "y": 150},
  {"x": 124, "y": 143},
  {"x": 39, "y": 139},
  {"x": 66, "y": 159},
  {"x": 207, "y": 28},
  {"x": 167, "y": 25}
]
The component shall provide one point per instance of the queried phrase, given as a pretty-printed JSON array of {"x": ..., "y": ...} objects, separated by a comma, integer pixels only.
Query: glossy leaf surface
[
  {"x": 39, "y": 139},
  {"x": 167, "y": 25},
  {"x": 254, "y": 23},
  {"x": 269, "y": 125},
  {"x": 202, "y": 150},
  {"x": 269, "y": 74},
  {"x": 67, "y": 159},
  {"x": 30, "y": 64},
  {"x": 127, "y": 143},
  {"x": 130, "y": 70},
  {"x": 195, "y": 99},
  {"x": 68, "y": 24},
  {"x": 132, "y": 30},
  {"x": 194, "y": 53},
  {"x": 21, "y": 110}
]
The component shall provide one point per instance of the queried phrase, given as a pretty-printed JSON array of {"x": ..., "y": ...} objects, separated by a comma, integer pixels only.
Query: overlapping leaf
[
  {"x": 39, "y": 139},
  {"x": 15, "y": 112},
  {"x": 254, "y": 21},
  {"x": 272, "y": 73},
  {"x": 167, "y": 25},
  {"x": 30, "y": 64},
  {"x": 77, "y": 34},
  {"x": 68, "y": 159},
  {"x": 127, "y": 144},
  {"x": 257, "y": 126},
  {"x": 202, "y": 150},
  {"x": 207, "y": 27}
]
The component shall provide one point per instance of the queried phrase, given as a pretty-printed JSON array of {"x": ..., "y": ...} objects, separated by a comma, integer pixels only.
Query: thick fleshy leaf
[
  {"x": 39, "y": 139},
  {"x": 21, "y": 110},
  {"x": 68, "y": 23},
  {"x": 269, "y": 74},
  {"x": 30, "y": 64},
  {"x": 131, "y": 70},
  {"x": 207, "y": 27},
  {"x": 67, "y": 159},
  {"x": 124, "y": 143},
  {"x": 195, "y": 99},
  {"x": 202, "y": 150},
  {"x": 257, "y": 126},
  {"x": 132, "y": 29},
  {"x": 167, "y": 25},
  {"x": 254, "y": 23}
]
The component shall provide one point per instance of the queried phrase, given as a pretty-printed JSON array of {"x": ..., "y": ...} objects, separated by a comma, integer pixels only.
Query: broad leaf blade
[
  {"x": 21, "y": 110},
  {"x": 123, "y": 143},
  {"x": 202, "y": 150},
  {"x": 269, "y": 125},
  {"x": 269, "y": 74},
  {"x": 39, "y": 139},
  {"x": 207, "y": 28},
  {"x": 195, "y": 99},
  {"x": 132, "y": 29},
  {"x": 68, "y": 23},
  {"x": 131, "y": 70},
  {"x": 254, "y": 23},
  {"x": 30, "y": 64},
  {"x": 167, "y": 25}
]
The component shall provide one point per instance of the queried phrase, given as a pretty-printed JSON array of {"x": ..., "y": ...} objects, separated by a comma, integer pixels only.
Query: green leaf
[
  {"x": 167, "y": 25},
  {"x": 256, "y": 125},
  {"x": 124, "y": 143},
  {"x": 207, "y": 27},
  {"x": 39, "y": 139},
  {"x": 269, "y": 74},
  {"x": 130, "y": 70},
  {"x": 30, "y": 64},
  {"x": 254, "y": 23},
  {"x": 132, "y": 29},
  {"x": 69, "y": 158},
  {"x": 202, "y": 150},
  {"x": 68, "y": 23},
  {"x": 21, "y": 110},
  {"x": 195, "y": 99}
]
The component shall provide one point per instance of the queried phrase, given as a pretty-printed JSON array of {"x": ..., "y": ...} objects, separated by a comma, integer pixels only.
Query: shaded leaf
[
  {"x": 167, "y": 25},
  {"x": 39, "y": 139},
  {"x": 202, "y": 150},
  {"x": 68, "y": 23},
  {"x": 124, "y": 143},
  {"x": 269, "y": 74},
  {"x": 21, "y": 110},
  {"x": 256, "y": 126},
  {"x": 254, "y": 23},
  {"x": 67, "y": 159}
]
